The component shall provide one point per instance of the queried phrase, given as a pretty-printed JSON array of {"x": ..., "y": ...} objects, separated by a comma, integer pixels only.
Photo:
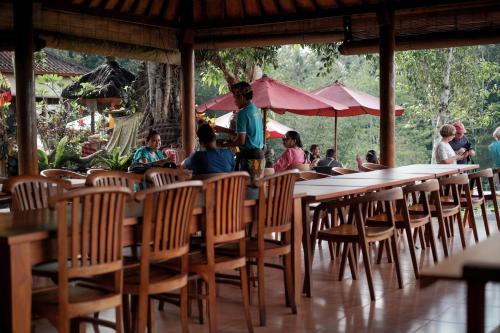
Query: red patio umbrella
[
  {"x": 358, "y": 102},
  {"x": 280, "y": 98},
  {"x": 275, "y": 129}
]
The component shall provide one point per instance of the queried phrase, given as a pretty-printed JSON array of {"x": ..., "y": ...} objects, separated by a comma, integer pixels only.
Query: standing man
[
  {"x": 249, "y": 132},
  {"x": 461, "y": 144}
]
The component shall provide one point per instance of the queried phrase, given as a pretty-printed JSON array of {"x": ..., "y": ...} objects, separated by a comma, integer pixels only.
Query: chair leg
[
  {"x": 430, "y": 231},
  {"x": 485, "y": 219},
  {"x": 289, "y": 283},
  {"x": 119, "y": 319},
  {"x": 212, "y": 306},
  {"x": 495, "y": 208},
  {"x": 246, "y": 300},
  {"x": 411, "y": 247},
  {"x": 380, "y": 252},
  {"x": 461, "y": 229},
  {"x": 343, "y": 261},
  {"x": 353, "y": 263},
  {"x": 472, "y": 224},
  {"x": 151, "y": 316},
  {"x": 396, "y": 260},
  {"x": 95, "y": 325},
  {"x": 388, "y": 251},
  {"x": 441, "y": 232},
  {"x": 126, "y": 313},
  {"x": 368, "y": 269},
  {"x": 184, "y": 309},
  {"x": 199, "y": 287},
  {"x": 261, "y": 291},
  {"x": 422, "y": 239}
]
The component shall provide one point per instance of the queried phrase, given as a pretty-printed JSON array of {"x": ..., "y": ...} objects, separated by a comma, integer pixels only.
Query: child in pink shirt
[{"x": 293, "y": 154}]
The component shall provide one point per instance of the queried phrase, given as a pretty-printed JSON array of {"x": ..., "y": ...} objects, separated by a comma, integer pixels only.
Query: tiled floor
[{"x": 345, "y": 306}]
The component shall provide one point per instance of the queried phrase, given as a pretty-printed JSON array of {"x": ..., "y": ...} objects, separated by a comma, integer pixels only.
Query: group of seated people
[{"x": 211, "y": 159}]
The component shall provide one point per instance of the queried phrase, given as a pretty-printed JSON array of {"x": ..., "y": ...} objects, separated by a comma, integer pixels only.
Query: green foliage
[
  {"x": 218, "y": 67},
  {"x": 474, "y": 99},
  {"x": 43, "y": 160},
  {"x": 115, "y": 160}
]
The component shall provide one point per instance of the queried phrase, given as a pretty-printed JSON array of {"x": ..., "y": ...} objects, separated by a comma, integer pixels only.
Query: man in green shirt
[{"x": 249, "y": 132}]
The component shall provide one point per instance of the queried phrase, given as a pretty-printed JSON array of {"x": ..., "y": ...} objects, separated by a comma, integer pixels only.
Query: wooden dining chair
[
  {"x": 168, "y": 212},
  {"x": 94, "y": 170},
  {"x": 223, "y": 227},
  {"x": 300, "y": 167},
  {"x": 89, "y": 242},
  {"x": 164, "y": 176},
  {"x": 342, "y": 171},
  {"x": 448, "y": 210},
  {"x": 423, "y": 194},
  {"x": 61, "y": 174},
  {"x": 356, "y": 232},
  {"x": 115, "y": 178},
  {"x": 33, "y": 192},
  {"x": 493, "y": 194},
  {"x": 477, "y": 199},
  {"x": 374, "y": 166},
  {"x": 274, "y": 216},
  {"x": 327, "y": 170}
]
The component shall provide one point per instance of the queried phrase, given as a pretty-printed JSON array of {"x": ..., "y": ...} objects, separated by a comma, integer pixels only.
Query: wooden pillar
[
  {"x": 25, "y": 88},
  {"x": 336, "y": 135},
  {"x": 387, "y": 99},
  {"x": 188, "y": 107}
]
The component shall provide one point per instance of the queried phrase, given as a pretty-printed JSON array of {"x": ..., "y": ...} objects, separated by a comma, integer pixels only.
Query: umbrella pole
[
  {"x": 335, "y": 131},
  {"x": 264, "y": 123}
]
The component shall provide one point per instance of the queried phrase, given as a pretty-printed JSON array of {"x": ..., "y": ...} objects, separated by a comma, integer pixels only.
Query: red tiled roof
[{"x": 52, "y": 65}]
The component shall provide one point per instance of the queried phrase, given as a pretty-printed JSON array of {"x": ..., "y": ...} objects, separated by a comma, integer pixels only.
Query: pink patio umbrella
[
  {"x": 278, "y": 97},
  {"x": 358, "y": 102},
  {"x": 275, "y": 129}
]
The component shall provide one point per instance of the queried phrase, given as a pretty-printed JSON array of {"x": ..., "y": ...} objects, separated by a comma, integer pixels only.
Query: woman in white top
[{"x": 444, "y": 153}]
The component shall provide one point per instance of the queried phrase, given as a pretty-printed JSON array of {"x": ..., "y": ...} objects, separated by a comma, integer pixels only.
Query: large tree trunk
[
  {"x": 442, "y": 116},
  {"x": 159, "y": 86}
]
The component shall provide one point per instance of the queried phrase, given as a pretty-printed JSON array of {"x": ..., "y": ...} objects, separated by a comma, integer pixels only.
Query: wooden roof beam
[
  {"x": 266, "y": 40},
  {"x": 428, "y": 41}
]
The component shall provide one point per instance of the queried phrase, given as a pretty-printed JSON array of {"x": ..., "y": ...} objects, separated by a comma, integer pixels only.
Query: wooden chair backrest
[
  {"x": 425, "y": 193},
  {"x": 476, "y": 180},
  {"x": 453, "y": 186},
  {"x": 308, "y": 175},
  {"x": 114, "y": 178},
  {"x": 61, "y": 174},
  {"x": 168, "y": 211},
  {"x": 89, "y": 233},
  {"x": 275, "y": 202},
  {"x": 374, "y": 166},
  {"x": 342, "y": 171},
  {"x": 33, "y": 192},
  {"x": 360, "y": 207},
  {"x": 164, "y": 176},
  {"x": 224, "y": 201},
  {"x": 91, "y": 171},
  {"x": 323, "y": 169},
  {"x": 300, "y": 167}
]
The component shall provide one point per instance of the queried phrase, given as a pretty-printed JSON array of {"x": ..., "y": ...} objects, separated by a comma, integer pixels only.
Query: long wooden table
[
  {"x": 337, "y": 187},
  {"x": 477, "y": 265},
  {"x": 28, "y": 238}
]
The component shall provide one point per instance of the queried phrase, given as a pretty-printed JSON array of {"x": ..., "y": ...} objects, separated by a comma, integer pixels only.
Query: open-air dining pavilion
[{"x": 382, "y": 214}]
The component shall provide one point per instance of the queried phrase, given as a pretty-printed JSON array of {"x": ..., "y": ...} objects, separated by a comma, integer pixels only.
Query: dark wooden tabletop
[{"x": 484, "y": 253}]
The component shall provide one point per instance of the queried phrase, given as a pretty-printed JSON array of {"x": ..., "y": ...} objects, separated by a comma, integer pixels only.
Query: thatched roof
[{"x": 109, "y": 80}]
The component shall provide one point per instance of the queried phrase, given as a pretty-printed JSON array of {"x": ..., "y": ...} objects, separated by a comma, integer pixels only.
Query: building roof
[{"x": 52, "y": 65}]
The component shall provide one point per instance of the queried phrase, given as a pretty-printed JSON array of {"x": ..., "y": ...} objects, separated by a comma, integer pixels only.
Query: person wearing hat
[
  {"x": 249, "y": 136},
  {"x": 461, "y": 144}
]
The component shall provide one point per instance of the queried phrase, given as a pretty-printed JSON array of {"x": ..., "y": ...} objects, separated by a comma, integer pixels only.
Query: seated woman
[
  {"x": 443, "y": 151},
  {"x": 371, "y": 157},
  {"x": 293, "y": 154},
  {"x": 150, "y": 152},
  {"x": 211, "y": 159}
]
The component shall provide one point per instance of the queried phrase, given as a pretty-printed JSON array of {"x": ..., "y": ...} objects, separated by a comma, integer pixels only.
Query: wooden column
[
  {"x": 188, "y": 111},
  {"x": 25, "y": 88},
  {"x": 387, "y": 100}
]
